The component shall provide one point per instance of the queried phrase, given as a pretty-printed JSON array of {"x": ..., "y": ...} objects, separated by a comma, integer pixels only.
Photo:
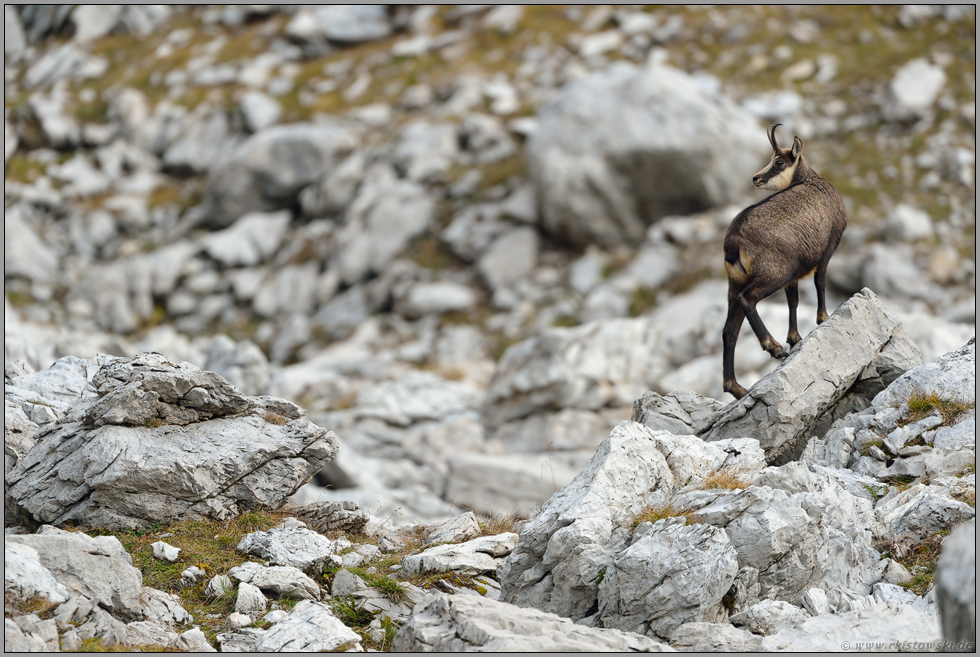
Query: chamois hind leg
[
  {"x": 793, "y": 299},
  {"x": 820, "y": 281},
  {"x": 728, "y": 338},
  {"x": 748, "y": 298}
]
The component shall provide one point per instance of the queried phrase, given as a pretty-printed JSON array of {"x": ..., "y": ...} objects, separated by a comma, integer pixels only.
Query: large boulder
[
  {"x": 673, "y": 574},
  {"x": 464, "y": 623},
  {"x": 861, "y": 348},
  {"x": 267, "y": 171},
  {"x": 626, "y": 146},
  {"x": 163, "y": 440},
  {"x": 565, "y": 552}
]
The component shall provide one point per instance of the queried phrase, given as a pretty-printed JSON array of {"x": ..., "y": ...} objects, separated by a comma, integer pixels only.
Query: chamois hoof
[
  {"x": 793, "y": 339},
  {"x": 735, "y": 389}
]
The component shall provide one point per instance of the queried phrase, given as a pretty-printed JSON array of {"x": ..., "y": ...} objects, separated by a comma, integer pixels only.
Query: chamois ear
[{"x": 797, "y": 147}]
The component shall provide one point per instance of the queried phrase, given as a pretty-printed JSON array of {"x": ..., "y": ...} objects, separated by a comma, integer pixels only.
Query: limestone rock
[
  {"x": 165, "y": 608},
  {"x": 556, "y": 564},
  {"x": 594, "y": 185},
  {"x": 165, "y": 551},
  {"x": 714, "y": 637},
  {"x": 782, "y": 409},
  {"x": 884, "y": 624},
  {"x": 24, "y": 577},
  {"x": 278, "y": 580},
  {"x": 475, "y": 557},
  {"x": 267, "y": 171},
  {"x": 98, "y": 568},
  {"x": 768, "y": 616},
  {"x": 215, "y": 468},
  {"x": 250, "y": 600},
  {"x": 309, "y": 627},
  {"x": 297, "y": 547},
  {"x": 461, "y": 528},
  {"x": 331, "y": 516},
  {"x": 462, "y": 623},
  {"x": 673, "y": 574},
  {"x": 679, "y": 412}
]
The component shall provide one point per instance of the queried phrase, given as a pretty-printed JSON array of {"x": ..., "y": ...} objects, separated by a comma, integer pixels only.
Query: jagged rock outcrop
[
  {"x": 861, "y": 346},
  {"x": 96, "y": 568},
  {"x": 586, "y": 525},
  {"x": 163, "y": 440}
]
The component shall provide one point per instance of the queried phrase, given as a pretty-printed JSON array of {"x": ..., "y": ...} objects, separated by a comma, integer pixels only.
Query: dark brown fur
[{"x": 773, "y": 244}]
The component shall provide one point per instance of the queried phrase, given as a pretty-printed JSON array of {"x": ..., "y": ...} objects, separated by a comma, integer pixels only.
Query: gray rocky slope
[{"x": 666, "y": 539}]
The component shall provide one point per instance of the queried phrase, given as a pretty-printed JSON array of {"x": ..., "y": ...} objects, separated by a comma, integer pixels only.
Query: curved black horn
[{"x": 772, "y": 136}]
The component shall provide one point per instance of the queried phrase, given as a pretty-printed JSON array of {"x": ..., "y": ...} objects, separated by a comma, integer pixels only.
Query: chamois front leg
[
  {"x": 793, "y": 299},
  {"x": 728, "y": 338},
  {"x": 748, "y": 299}
]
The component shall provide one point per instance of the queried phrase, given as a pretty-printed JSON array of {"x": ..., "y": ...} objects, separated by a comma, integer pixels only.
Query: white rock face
[
  {"x": 604, "y": 363},
  {"x": 673, "y": 574},
  {"x": 595, "y": 185},
  {"x": 920, "y": 511},
  {"x": 561, "y": 552},
  {"x": 776, "y": 530},
  {"x": 883, "y": 624},
  {"x": 165, "y": 608},
  {"x": 24, "y": 577},
  {"x": 309, "y": 627},
  {"x": 461, "y": 528},
  {"x": 98, "y": 568},
  {"x": 462, "y": 623},
  {"x": 250, "y": 241},
  {"x": 714, "y": 637}
]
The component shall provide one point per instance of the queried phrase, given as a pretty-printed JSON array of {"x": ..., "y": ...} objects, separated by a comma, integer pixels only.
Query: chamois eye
[{"x": 779, "y": 163}]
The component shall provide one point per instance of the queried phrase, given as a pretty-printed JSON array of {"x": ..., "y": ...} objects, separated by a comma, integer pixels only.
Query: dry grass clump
[
  {"x": 922, "y": 405},
  {"x": 919, "y": 559},
  {"x": 275, "y": 418},
  {"x": 725, "y": 480},
  {"x": 653, "y": 514}
]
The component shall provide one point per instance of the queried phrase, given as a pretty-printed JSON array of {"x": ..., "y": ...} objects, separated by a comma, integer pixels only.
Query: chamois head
[{"x": 778, "y": 174}]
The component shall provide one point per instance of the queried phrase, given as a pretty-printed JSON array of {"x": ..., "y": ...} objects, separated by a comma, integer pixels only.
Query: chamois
[{"x": 773, "y": 244}]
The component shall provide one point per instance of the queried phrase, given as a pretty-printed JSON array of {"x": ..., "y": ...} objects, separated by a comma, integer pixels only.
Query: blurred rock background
[{"x": 465, "y": 238}]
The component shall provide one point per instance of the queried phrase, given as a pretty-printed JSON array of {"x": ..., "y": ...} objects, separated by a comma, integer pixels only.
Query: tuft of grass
[
  {"x": 153, "y": 423},
  {"x": 351, "y": 612},
  {"x": 33, "y": 605},
  {"x": 919, "y": 560},
  {"x": 644, "y": 298},
  {"x": 653, "y": 514},
  {"x": 726, "y": 480},
  {"x": 922, "y": 405},
  {"x": 501, "y": 523},
  {"x": 275, "y": 418},
  {"x": 432, "y": 253},
  {"x": 389, "y": 586},
  {"x": 875, "y": 495}
]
